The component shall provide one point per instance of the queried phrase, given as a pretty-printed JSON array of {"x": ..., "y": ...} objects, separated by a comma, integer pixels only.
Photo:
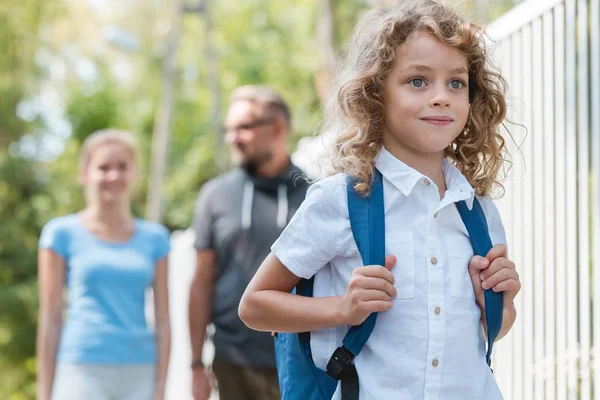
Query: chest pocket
[
  {"x": 400, "y": 244},
  {"x": 460, "y": 253}
]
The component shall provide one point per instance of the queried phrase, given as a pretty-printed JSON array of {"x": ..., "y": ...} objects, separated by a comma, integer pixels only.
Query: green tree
[
  {"x": 19, "y": 24},
  {"x": 22, "y": 193},
  {"x": 21, "y": 190}
]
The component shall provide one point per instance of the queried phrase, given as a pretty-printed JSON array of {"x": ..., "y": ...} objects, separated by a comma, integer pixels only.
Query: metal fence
[{"x": 549, "y": 52}]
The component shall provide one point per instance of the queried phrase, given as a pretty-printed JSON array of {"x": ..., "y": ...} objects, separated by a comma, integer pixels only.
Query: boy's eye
[
  {"x": 417, "y": 82},
  {"x": 456, "y": 84}
]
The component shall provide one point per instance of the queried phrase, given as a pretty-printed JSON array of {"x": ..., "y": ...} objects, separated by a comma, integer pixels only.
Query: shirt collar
[
  {"x": 404, "y": 178},
  {"x": 458, "y": 187}
]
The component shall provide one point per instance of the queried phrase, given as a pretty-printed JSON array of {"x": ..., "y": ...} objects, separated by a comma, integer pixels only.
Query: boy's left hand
[{"x": 496, "y": 272}]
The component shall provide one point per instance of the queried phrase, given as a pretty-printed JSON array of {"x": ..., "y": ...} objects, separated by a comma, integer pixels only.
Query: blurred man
[{"x": 238, "y": 217}]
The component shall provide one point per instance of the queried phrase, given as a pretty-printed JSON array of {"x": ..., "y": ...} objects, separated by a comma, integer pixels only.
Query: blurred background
[{"x": 164, "y": 70}]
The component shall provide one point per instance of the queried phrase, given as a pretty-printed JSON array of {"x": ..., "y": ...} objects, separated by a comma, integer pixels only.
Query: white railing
[{"x": 549, "y": 52}]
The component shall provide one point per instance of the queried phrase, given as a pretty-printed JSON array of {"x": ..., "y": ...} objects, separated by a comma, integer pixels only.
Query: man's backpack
[{"x": 299, "y": 378}]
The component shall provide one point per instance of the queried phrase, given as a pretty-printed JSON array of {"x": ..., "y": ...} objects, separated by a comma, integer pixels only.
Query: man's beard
[{"x": 253, "y": 164}]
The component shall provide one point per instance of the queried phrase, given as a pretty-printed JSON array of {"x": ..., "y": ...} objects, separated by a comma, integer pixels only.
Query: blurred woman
[{"x": 107, "y": 259}]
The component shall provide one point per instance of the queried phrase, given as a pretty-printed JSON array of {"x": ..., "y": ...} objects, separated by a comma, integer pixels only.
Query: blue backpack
[{"x": 299, "y": 378}]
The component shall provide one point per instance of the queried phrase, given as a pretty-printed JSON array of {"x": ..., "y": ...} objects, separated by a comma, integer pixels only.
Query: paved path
[{"x": 181, "y": 268}]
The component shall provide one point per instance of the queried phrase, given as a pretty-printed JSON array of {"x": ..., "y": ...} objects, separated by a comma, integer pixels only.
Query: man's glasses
[{"x": 242, "y": 128}]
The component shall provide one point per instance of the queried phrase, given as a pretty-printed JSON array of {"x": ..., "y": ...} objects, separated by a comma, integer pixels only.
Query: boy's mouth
[{"x": 438, "y": 120}]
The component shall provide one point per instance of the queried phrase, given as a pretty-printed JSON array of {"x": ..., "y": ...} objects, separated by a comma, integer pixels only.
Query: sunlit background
[{"x": 70, "y": 67}]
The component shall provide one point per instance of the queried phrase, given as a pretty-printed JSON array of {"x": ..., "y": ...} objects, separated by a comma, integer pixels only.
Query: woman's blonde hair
[
  {"x": 102, "y": 137},
  {"x": 355, "y": 118}
]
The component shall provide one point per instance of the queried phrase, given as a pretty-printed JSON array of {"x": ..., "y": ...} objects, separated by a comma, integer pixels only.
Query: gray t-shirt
[{"x": 240, "y": 216}]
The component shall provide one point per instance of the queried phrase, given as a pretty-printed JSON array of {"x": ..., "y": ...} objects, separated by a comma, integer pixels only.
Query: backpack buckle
[{"x": 339, "y": 360}]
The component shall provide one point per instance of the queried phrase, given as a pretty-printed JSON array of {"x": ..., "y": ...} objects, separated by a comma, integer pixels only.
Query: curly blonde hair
[{"x": 355, "y": 114}]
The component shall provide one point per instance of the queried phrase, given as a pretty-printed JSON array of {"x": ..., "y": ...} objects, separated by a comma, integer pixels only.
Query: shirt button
[
  {"x": 437, "y": 310},
  {"x": 434, "y": 260},
  {"x": 435, "y": 362},
  {"x": 427, "y": 182}
]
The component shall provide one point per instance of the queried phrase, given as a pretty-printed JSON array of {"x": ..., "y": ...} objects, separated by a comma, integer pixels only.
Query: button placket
[{"x": 435, "y": 300}]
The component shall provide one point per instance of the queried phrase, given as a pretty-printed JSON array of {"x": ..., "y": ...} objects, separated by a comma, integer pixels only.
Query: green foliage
[
  {"x": 11, "y": 127},
  {"x": 24, "y": 203},
  {"x": 273, "y": 43},
  {"x": 90, "y": 112},
  {"x": 18, "y": 181},
  {"x": 17, "y": 323},
  {"x": 21, "y": 211},
  {"x": 19, "y": 40},
  {"x": 346, "y": 15}
]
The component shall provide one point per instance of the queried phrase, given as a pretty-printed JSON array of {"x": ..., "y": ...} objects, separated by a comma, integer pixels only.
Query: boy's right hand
[{"x": 371, "y": 289}]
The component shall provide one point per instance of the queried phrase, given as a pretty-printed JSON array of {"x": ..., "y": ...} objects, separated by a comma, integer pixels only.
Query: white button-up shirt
[{"x": 430, "y": 344}]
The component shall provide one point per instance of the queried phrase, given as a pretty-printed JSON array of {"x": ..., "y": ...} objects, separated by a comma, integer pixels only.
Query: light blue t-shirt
[{"x": 107, "y": 283}]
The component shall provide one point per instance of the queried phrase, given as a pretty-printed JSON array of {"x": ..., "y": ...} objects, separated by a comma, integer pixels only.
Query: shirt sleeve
[
  {"x": 311, "y": 239},
  {"x": 202, "y": 223},
  {"x": 163, "y": 243},
  {"x": 54, "y": 237}
]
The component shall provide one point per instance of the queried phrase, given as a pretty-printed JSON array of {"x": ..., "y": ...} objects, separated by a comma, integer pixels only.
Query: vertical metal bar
[
  {"x": 517, "y": 252},
  {"x": 528, "y": 262},
  {"x": 538, "y": 211},
  {"x": 595, "y": 179},
  {"x": 571, "y": 198},
  {"x": 583, "y": 196},
  {"x": 506, "y": 373},
  {"x": 547, "y": 139},
  {"x": 510, "y": 339},
  {"x": 560, "y": 197},
  {"x": 503, "y": 204}
]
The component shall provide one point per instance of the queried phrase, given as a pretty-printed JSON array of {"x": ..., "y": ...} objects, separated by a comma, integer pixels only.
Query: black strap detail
[
  {"x": 340, "y": 367},
  {"x": 350, "y": 383},
  {"x": 340, "y": 359}
]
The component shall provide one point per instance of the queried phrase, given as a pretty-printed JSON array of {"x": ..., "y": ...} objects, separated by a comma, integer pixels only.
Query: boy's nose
[{"x": 440, "y": 98}]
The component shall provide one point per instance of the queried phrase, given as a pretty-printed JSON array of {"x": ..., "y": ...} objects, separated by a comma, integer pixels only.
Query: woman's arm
[
  {"x": 163, "y": 326},
  {"x": 51, "y": 273},
  {"x": 268, "y": 305}
]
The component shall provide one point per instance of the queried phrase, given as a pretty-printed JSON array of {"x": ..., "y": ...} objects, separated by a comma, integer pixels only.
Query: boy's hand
[
  {"x": 494, "y": 271},
  {"x": 371, "y": 289}
]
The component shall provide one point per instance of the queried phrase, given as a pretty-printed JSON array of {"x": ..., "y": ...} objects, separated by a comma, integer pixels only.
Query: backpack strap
[
  {"x": 367, "y": 220},
  {"x": 477, "y": 227}
]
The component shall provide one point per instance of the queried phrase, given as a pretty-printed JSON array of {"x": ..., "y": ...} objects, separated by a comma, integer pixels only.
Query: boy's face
[{"x": 426, "y": 98}]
